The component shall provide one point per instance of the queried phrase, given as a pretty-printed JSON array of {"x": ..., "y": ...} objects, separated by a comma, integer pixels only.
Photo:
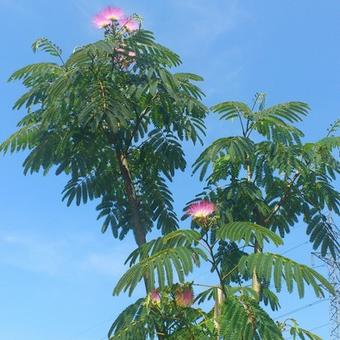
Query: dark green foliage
[
  {"x": 171, "y": 258},
  {"x": 247, "y": 232},
  {"x": 162, "y": 258},
  {"x": 244, "y": 319},
  {"x": 297, "y": 332},
  {"x": 179, "y": 251},
  {"x": 276, "y": 181},
  {"x": 132, "y": 323},
  {"x": 275, "y": 267},
  {"x": 144, "y": 319},
  {"x": 262, "y": 187},
  {"x": 87, "y": 113},
  {"x": 45, "y": 45},
  {"x": 228, "y": 254}
]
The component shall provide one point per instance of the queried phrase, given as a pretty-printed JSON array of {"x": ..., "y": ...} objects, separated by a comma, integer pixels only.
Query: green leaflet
[
  {"x": 247, "y": 232},
  {"x": 292, "y": 273}
]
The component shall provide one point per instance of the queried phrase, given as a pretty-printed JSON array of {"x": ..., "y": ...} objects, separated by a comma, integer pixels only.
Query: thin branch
[
  {"x": 139, "y": 121},
  {"x": 249, "y": 128},
  {"x": 282, "y": 200},
  {"x": 242, "y": 126},
  {"x": 214, "y": 264},
  {"x": 230, "y": 272}
]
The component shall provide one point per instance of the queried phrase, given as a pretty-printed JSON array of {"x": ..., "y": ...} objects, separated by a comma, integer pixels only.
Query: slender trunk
[
  {"x": 138, "y": 230},
  {"x": 256, "y": 284},
  {"x": 137, "y": 227},
  {"x": 219, "y": 300}
]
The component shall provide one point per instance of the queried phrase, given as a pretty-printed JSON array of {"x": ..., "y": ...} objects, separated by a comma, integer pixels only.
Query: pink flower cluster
[
  {"x": 155, "y": 297},
  {"x": 113, "y": 14},
  {"x": 201, "y": 209},
  {"x": 184, "y": 296}
]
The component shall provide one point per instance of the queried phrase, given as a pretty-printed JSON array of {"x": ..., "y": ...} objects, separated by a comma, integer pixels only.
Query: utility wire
[
  {"x": 89, "y": 329},
  {"x": 321, "y": 326},
  {"x": 295, "y": 247},
  {"x": 301, "y": 308}
]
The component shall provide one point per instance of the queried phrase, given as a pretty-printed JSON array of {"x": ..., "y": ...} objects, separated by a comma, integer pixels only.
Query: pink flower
[
  {"x": 201, "y": 209},
  {"x": 112, "y": 13},
  {"x": 105, "y": 17},
  {"x": 100, "y": 21},
  {"x": 129, "y": 24},
  {"x": 184, "y": 297},
  {"x": 155, "y": 297}
]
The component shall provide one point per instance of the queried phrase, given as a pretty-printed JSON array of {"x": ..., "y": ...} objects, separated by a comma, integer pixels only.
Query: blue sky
[{"x": 57, "y": 269}]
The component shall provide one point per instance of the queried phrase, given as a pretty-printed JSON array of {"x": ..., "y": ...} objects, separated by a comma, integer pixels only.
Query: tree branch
[
  {"x": 139, "y": 121},
  {"x": 282, "y": 200}
]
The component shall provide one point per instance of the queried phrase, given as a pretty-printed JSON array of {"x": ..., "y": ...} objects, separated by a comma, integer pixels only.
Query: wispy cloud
[
  {"x": 31, "y": 253},
  {"x": 62, "y": 257},
  {"x": 105, "y": 263}
]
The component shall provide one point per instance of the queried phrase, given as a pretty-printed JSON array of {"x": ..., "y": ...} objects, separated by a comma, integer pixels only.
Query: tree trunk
[
  {"x": 138, "y": 230},
  {"x": 218, "y": 310},
  {"x": 137, "y": 227},
  {"x": 256, "y": 284}
]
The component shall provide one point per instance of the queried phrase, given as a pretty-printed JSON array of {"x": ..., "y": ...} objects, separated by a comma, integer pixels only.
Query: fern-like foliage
[
  {"x": 244, "y": 319},
  {"x": 132, "y": 323},
  {"x": 171, "y": 258},
  {"x": 292, "y": 327},
  {"x": 91, "y": 112},
  {"x": 229, "y": 148},
  {"x": 178, "y": 252},
  {"x": 247, "y": 232},
  {"x": 273, "y": 123},
  {"x": 161, "y": 259},
  {"x": 268, "y": 176},
  {"x": 273, "y": 267}
]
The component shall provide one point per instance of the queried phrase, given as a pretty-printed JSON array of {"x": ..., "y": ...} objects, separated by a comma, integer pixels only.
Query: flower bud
[
  {"x": 155, "y": 297},
  {"x": 184, "y": 296}
]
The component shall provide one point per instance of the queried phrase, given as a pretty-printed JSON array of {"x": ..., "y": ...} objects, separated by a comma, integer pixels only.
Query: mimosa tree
[
  {"x": 112, "y": 117},
  {"x": 261, "y": 184}
]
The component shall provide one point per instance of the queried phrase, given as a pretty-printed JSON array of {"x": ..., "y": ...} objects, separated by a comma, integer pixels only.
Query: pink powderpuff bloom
[
  {"x": 201, "y": 209},
  {"x": 129, "y": 24},
  {"x": 184, "y": 297},
  {"x": 105, "y": 17},
  {"x": 100, "y": 21},
  {"x": 112, "y": 13},
  {"x": 155, "y": 297}
]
